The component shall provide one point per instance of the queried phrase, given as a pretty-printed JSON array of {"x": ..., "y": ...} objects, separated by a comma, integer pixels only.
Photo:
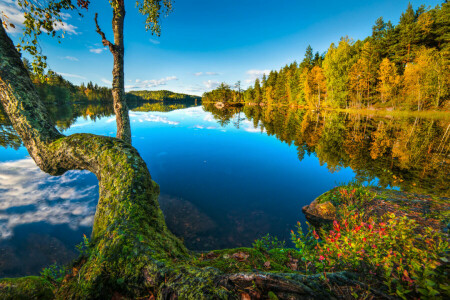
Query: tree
[
  {"x": 257, "y": 91},
  {"x": 308, "y": 61},
  {"x": 238, "y": 87},
  {"x": 336, "y": 65},
  {"x": 44, "y": 16},
  {"x": 388, "y": 80},
  {"x": 426, "y": 79},
  {"x": 315, "y": 87}
]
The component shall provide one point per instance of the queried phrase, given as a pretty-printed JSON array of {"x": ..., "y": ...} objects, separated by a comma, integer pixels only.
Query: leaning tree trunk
[
  {"x": 118, "y": 86},
  {"x": 132, "y": 254}
]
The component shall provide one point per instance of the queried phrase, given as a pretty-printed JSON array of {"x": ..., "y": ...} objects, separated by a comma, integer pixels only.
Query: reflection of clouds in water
[
  {"x": 148, "y": 117},
  {"x": 29, "y": 195},
  {"x": 209, "y": 118},
  {"x": 194, "y": 111},
  {"x": 249, "y": 127}
]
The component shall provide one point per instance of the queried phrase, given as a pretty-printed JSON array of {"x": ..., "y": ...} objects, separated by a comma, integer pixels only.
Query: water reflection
[
  {"x": 40, "y": 215},
  {"x": 409, "y": 153},
  {"x": 227, "y": 177}
]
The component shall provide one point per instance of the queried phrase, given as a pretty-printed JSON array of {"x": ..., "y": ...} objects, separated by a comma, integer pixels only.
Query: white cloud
[
  {"x": 71, "y": 58},
  {"x": 154, "y": 42},
  {"x": 30, "y": 195},
  {"x": 206, "y": 73},
  {"x": 148, "y": 117},
  {"x": 146, "y": 84},
  {"x": 97, "y": 50},
  {"x": 70, "y": 29},
  {"x": 211, "y": 84},
  {"x": 253, "y": 74},
  {"x": 71, "y": 75},
  {"x": 11, "y": 12},
  {"x": 104, "y": 80}
]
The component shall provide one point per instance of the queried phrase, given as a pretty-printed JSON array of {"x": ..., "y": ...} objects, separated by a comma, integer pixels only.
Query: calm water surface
[{"x": 226, "y": 177}]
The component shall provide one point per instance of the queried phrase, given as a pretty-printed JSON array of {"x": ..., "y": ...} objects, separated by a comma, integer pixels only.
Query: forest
[
  {"x": 164, "y": 95},
  {"x": 404, "y": 66},
  {"x": 55, "y": 90}
]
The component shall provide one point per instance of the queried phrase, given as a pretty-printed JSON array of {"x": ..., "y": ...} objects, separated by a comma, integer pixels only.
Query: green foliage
[
  {"x": 84, "y": 247},
  {"x": 152, "y": 10},
  {"x": 164, "y": 95},
  {"x": 267, "y": 243},
  {"x": 223, "y": 93},
  {"x": 54, "y": 273}
]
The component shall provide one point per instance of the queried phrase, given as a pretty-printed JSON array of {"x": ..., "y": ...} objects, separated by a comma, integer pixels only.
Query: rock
[{"x": 319, "y": 214}]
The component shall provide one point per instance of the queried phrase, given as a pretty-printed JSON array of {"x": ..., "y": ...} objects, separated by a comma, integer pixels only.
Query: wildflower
[
  {"x": 321, "y": 258},
  {"x": 336, "y": 226},
  {"x": 316, "y": 236}
]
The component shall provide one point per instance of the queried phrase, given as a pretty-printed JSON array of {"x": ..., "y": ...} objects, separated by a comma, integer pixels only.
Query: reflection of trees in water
[
  {"x": 63, "y": 116},
  {"x": 410, "y": 153},
  {"x": 223, "y": 116},
  {"x": 8, "y": 136}
]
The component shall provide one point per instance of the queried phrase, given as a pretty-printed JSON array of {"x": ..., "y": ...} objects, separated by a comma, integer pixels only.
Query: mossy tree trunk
[{"x": 132, "y": 253}]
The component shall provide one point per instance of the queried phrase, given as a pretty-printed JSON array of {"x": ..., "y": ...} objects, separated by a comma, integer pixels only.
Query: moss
[
  {"x": 246, "y": 260},
  {"x": 26, "y": 288}
]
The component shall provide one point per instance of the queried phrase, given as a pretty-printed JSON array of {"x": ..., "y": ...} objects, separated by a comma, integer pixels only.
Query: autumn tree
[
  {"x": 315, "y": 87},
  {"x": 426, "y": 79},
  {"x": 388, "y": 80}
]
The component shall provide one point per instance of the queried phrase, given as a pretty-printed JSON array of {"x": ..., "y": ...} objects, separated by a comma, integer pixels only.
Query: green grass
[{"x": 431, "y": 114}]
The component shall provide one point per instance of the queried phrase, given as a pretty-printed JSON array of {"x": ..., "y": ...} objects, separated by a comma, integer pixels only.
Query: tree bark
[
  {"x": 132, "y": 254},
  {"x": 118, "y": 87}
]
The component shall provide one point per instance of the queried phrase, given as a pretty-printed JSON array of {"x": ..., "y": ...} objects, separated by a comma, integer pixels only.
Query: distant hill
[{"x": 163, "y": 95}]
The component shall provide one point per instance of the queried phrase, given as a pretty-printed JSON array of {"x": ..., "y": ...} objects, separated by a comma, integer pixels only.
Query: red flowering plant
[{"x": 391, "y": 252}]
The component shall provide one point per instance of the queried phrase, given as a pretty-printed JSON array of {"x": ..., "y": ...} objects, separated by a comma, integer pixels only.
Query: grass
[{"x": 431, "y": 114}]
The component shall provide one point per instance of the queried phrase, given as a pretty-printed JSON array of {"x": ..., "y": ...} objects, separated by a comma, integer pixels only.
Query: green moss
[
  {"x": 246, "y": 260},
  {"x": 26, "y": 288}
]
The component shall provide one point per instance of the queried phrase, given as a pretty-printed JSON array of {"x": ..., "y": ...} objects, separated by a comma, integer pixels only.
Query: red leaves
[
  {"x": 316, "y": 236},
  {"x": 336, "y": 226}
]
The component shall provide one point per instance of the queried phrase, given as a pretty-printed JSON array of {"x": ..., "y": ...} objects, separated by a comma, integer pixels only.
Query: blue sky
[{"x": 204, "y": 42}]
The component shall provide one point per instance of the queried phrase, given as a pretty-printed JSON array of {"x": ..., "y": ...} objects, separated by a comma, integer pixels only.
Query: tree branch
[{"x": 105, "y": 41}]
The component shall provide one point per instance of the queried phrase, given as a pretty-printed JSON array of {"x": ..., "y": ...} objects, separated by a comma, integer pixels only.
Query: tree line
[
  {"x": 56, "y": 90},
  {"x": 164, "y": 95},
  {"x": 403, "y": 66}
]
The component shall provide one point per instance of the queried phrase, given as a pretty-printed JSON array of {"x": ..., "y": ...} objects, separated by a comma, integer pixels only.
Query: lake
[{"x": 227, "y": 177}]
